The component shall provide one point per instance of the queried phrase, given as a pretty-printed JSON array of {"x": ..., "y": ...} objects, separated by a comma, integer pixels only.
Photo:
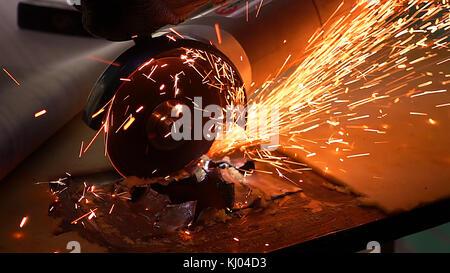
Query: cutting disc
[{"x": 139, "y": 122}]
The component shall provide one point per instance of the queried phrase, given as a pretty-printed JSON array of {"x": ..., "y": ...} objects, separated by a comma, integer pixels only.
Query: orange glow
[
  {"x": 17, "y": 235},
  {"x": 432, "y": 121}
]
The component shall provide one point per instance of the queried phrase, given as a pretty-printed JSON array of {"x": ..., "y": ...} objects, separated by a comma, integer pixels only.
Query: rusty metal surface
[{"x": 264, "y": 224}]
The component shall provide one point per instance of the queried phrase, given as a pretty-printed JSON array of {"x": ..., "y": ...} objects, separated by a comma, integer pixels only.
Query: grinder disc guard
[{"x": 139, "y": 120}]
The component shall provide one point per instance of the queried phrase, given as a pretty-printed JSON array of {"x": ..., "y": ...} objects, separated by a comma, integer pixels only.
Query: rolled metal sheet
[{"x": 53, "y": 73}]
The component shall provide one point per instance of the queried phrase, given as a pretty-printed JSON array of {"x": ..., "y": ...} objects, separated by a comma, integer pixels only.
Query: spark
[
  {"x": 428, "y": 93},
  {"x": 284, "y": 64},
  {"x": 425, "y": 84},
  {"x": 81, "y": 150},
  {"x": 259, "y": 8},
  {"x": 310, "y": 128},
  {"x": 151, "y": 73},
  {"x": 177, "y": 33},
  {"x": 91, "y": 212},
  {"x": 358, "y": 155},
  {"x": 432, "y": 121},
  {"x": 360, "y": 117},
  {"x": 418, "y": 113},
  {"x": 103, "y": 60},
  {"x": 219, "y": 35},
  {"x": 7, "y": 73},
  {"x": 23, "y": 222},
  {"x": 246, "y": 11},
  {"x": 443, "y": 61},
  {"x": 98, "y": 112},
  {"x": 139, "y": 109},
  {"x": 170, "y": 37},
  {"x": 128, "y": 124},
  {"x": 92, "y": 215},
  {"x": 40, "y": 113},
  {"x": 443, "y": 105},
  {"x": 145, "y": 64},
  {"x": 93, "y": 139}
]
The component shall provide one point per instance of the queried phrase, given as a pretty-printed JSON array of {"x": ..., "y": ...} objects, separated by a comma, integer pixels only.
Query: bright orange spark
[
  {"x": 259, "y": 8},
  {"x": 84, "y": 215},
  {"x": 92, "y": 140},
  {"x": 98, "y": 112},
  {"x": 139, "y": 109},
  {"x": 128, "y": 124},
  {"x": 177, "y": 33},
  {"x": 40, "y": 113},
  {"x": 432, "y": 121},
  {"x": 23, "y": 222},
  {"x": 219, "y": 35}
]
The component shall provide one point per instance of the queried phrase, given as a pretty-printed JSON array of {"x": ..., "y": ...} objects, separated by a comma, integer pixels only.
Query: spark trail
[{"x": 367, "y": 56}]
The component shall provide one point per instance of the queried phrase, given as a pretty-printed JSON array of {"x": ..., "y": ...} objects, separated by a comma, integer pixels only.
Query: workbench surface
[{"x": 319, "y": 218}]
